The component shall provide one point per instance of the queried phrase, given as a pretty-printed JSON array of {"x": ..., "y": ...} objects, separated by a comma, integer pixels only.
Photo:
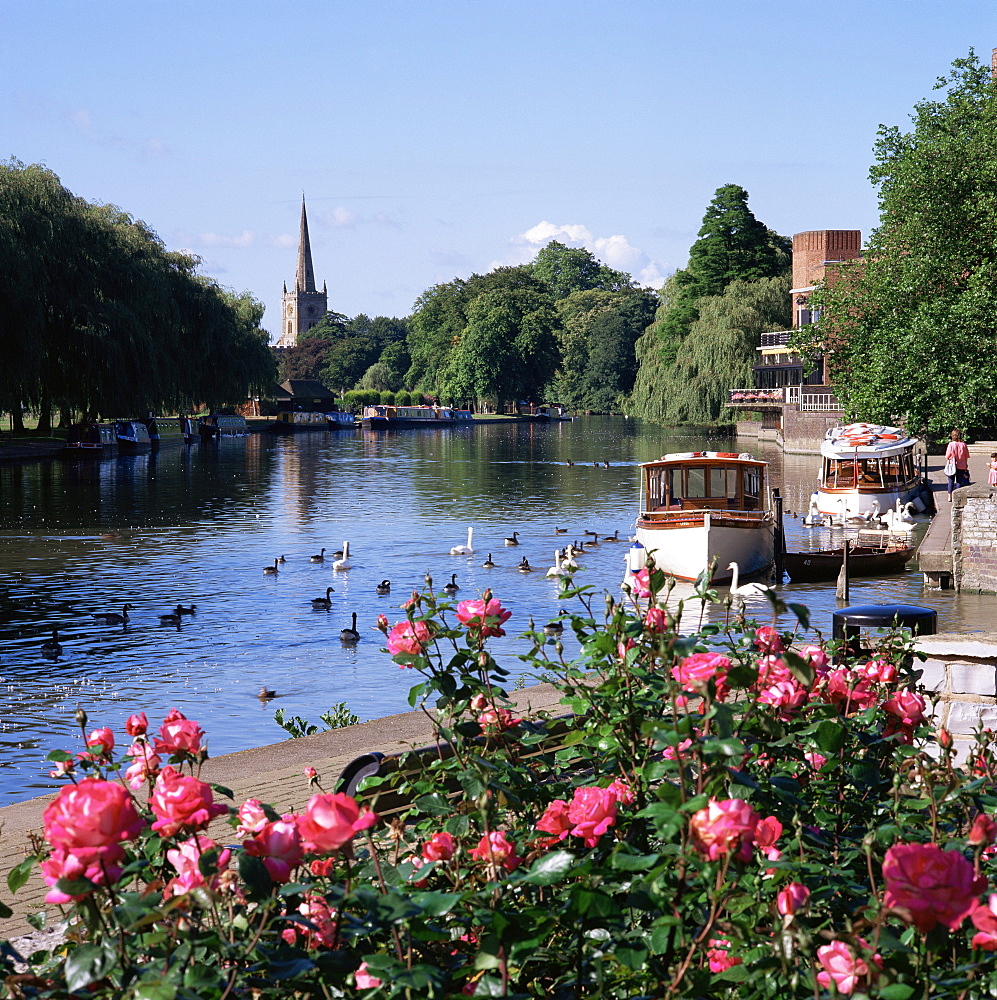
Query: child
[{"x": 992, "y": 466}]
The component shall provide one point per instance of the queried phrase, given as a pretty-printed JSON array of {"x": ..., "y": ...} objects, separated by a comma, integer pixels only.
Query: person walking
[
  {"x": 956, "y": 462},
  {"x": 992, "y": 466}
]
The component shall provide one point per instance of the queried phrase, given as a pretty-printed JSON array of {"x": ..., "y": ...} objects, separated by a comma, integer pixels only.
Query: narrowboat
[
  {"x": 866, "y": 469},
  {"x": 706, "y": 508},
  {"x": 90, "y": 439},
  {"x": 132, "y": 436},
  {"x": 413, "y": 416}
]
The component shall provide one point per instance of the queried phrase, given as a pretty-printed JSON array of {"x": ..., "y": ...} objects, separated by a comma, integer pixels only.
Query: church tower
[{"x": 304, "y": 305}]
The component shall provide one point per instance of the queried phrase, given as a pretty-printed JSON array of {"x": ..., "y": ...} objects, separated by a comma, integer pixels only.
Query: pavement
[{"x": 273, "y": 774}]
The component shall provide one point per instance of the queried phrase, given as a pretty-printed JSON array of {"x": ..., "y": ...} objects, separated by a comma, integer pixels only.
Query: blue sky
[{"x": 434, "y": 139}]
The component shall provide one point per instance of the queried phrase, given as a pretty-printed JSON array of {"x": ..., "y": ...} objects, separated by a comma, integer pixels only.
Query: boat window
[
  {"x": 723, "y": 483},
  {"x": 752, "y": 479},
  {"x": 894, "y": 472},
  {"x": 695, "y": 483},
  {"x": 841, "y": 472},
  {"x": 868, "y": 469}
]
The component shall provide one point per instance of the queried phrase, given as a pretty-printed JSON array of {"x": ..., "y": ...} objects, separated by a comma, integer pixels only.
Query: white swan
[
  {"x": 558, "y": 568},
  {"x": 814, "y": 517},
  {"x": 749, "y": 589},
  {"x": 344, "y": 563},
  {"x": 464, "y": 550},
  {"x": 873, "y": 514},
  {"x": 568, "y": 559}
]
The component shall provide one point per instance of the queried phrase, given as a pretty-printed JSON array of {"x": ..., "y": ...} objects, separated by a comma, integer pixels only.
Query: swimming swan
[
  {"x": 749, "y": 589},
  {"x": 464, "y": 550},
  {"x": 344, "y": 563}
]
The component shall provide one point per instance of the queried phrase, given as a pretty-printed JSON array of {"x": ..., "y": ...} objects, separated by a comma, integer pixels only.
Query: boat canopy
[{"x": 866, "y": 441}]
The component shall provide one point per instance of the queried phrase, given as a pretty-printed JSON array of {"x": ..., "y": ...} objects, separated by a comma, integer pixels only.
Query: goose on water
[
  {"x": 271, "y": 570},
  {"x": 320, "y": 557},
  {"x": 343, "y": 563},
  {"x": 282, "y": 560},
  {"x": 170, "y": 619},
  {"x": 560, "y": 531},
  {"x": 384, "y": 587},
  {"x": 488, "y": 564},
  {"x": 113, "y": 618},
  {"x": 554, "y": 628},
  {"x": 350, "y": 636},
  {"x": 451, "y": 587},
  {"x": 748, "y": 589},
  {"x": 614, "y": 537},
  {"x": 464, "y": 550},
  {"x": 524, "y": 566},
  {"x": 514, "y": 540},
  {"x": 52, "y": 647},
  {"x": 323, "y": 603},
  {"x": 181, "y": 610}
]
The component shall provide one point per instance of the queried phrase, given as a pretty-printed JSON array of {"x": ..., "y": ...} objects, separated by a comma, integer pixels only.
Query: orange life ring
[
  {"x": 727, "y": 454},
  {"x": 890, "y": 437}
]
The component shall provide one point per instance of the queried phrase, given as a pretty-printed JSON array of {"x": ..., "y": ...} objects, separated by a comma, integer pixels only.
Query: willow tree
[
  {"x": 718, "y": 353},
  {"x": 732, "y": 246},
  {"x": 912, "y": 330}
]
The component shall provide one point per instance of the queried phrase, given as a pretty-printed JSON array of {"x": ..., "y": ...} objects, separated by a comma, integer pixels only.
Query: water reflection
[{"x": 197, "y": 526}]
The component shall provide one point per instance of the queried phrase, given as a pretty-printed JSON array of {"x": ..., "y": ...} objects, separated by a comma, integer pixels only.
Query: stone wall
[
  {"x": 974, "y": 539},
  {"x": 960, "y": 674}
]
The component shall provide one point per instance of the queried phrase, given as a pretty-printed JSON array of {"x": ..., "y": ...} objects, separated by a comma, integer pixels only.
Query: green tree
[
  {"x": 565, "y": 270},
  {"x": 912, "y": 330},
  {"x": 732, "y": 246}
]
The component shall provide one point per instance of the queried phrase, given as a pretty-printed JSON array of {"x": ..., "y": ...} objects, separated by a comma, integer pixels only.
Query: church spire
[{"x": 304, "y": 280}]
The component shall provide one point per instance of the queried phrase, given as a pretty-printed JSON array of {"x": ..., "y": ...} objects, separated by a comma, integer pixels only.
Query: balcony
[
  {"x": 813, "y": 398},
  {"x": 776, "y": 338}
]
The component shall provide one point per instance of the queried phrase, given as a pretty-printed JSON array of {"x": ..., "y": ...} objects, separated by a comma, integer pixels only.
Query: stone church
[{"x": 304, "y": 305}]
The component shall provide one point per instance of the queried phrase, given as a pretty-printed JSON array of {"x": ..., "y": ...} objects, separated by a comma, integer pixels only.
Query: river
[{"x": 198, "y": 525}]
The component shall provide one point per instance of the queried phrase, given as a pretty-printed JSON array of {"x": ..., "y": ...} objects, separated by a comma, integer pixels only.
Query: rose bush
[{"x": 741, "y": 813}]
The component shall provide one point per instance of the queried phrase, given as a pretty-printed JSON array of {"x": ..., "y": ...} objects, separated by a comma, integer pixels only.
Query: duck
[
  {"x": 323, "y": 603},
  {"x": 749, "y": 589},
  {"x": 113, "y": 618},
  {"x": 282, "y": 560},
  {"x": 554, "y": 628},
  {"x": 524, "y": 566},
  {"x": 514, "y": 540},
  {"x": 557, "y": 569},
  {"x": 343, "y": 563},
  {"x": 350, "y": 636},
  {"x": 181, "y": 610},
  {"x": 451, "y": 587},
  {"x": 384, "y": 587},
  {"x": 266, "y": 694},
  {"x": 271, "y": 570},
  {"x": 52, "y": 647},
  {"x": 569, "y": 462},
  {"x": 614, "y": 537},
  {"x": 560, "y": 531},
  {"x": 428, "y": 579},
  {"x": 318, "y": 558},
  {"x": 464, "y": 550},
  {"x": 488, "y": 564},
  {"x": 170, "y": 619}
]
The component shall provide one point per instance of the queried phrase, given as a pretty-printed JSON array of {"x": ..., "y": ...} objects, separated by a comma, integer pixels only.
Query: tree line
[{"x": 98, "y": 318}]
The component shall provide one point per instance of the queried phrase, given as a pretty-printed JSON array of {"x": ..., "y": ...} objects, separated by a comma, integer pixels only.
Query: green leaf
[
  {"x": 550, "y": 869},
  {"x": 88, "y": 963},
  {"x": 895, "y": 991},
  {"x": 254, "y": 873},
  {"x": 735, "y": 974},
  {"x": 435, "y": 904},
  {"x": 800, "y": 668},
  {"x": 154, "y": 991},
  {"x": 830, "y": 736},
  {"x": 20, "y": 873},
  {"x": 222, "y": 790},
  {"x": 802, "y": 613},
  {"x": 624, "y": 862},
  {"x": 632, "y": 956},
  {"x": 59, "y": 756}
]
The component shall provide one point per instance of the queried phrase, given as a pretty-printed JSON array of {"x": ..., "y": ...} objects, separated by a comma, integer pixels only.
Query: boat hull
[
  {"x": 684, "y": 547},
  {"x": 824, "y": 565}
]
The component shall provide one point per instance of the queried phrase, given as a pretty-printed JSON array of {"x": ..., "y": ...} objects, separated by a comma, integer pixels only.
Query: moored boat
[
  {"x": 89, "y": 439},
  {"x": 706, "y": 508},
  {"x": 413, "y": 416},
  {"x": 132, "y": 436},
  {"x": 866, "y": 469},
  {"x": 863, "y": 560}
]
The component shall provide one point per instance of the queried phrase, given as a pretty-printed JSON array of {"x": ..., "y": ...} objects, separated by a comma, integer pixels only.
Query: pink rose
[
  {"x": 364, "y": 980},
  {"x": 695, "y": 672},
  {"x": 847, "y": 691},
  {"x": 484, "y": 617},
  {"x": 907, "y": 706},
  {"x": 101, "y": 742},
  {"x": 767, "y": 833},
  {"x": 182, "y": 803},
  {"x": 724, "y": 827},
  {"x": 815, "y": 760},
  {"x": 330, "y": 821},
  {"x": 178, "y": 735},
  {"x": 792, "y": 898},
  {"x": 640, "y": 582},
  {"x": 622, "y": 791},
  {"x": 146, "y": 766},
  {"x": 772, "y": 670},
  {"x": 322, "y": 932},
  {"x": 787, "y": 696},
  {"x": 439, "y": 847},
  {"x": 279, "y": 846},
  {"x": 675, "y": 753},
  {"x": 844, "y": 968},
  {"x": 878, "y": 670},
  {"x": 592, "y": 812},
  {"x": 816, "y": 657},
  {"x": 137, "y": 725},
  {"x": 656, "y": 619},
  {"x": 497, "y": 720},
  {"x": 101, "y": 865},
  {"x": 496, "y": 850},
  {"x": 409, "y": 638},
  {"x": 555, "y": 820},
  {"x": 252, "y": 818},
  {"x": 91, "y": 813},
  {"x": 984, "y": 830},
  {"x": 186, "y": 858},
  {"x": 768, "y": 640},
  {"x": 719, "y": 955},
  {"x": 984, "y": 918},
  {"x": 933, "y": 886}
]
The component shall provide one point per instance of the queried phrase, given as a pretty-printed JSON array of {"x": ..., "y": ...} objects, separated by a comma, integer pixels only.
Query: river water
[{"x": 197, "y": 526}]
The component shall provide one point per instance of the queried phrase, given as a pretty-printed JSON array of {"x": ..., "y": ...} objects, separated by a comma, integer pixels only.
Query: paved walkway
[{"x": 273, "y": 774}]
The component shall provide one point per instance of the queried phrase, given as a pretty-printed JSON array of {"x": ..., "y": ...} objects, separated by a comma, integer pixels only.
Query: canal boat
[
  {"x": 132, "y": 436},
  {"x": 89, "y": 439},
  {"x": 706, "y": 508},
  {"x": 382, "y": 416},
  {"x": 866, "y": 469},
  {"x": 341, "y": 421},
  {"x": 863, "y": 560}
]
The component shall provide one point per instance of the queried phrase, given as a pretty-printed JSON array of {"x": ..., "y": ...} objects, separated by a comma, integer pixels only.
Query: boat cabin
[
  {"x": 704, "y": 481},
  {"x": 887, "y": 472}
]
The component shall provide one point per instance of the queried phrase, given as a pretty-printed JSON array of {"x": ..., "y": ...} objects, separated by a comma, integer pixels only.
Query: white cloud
[
  {"x": 246, "y": 238},
  {"x": 283, "y": 240},
  {"x": 341, "y": 217},
  {"x": 615, "y": 251},
  {"x": 139, "y": 149}
]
